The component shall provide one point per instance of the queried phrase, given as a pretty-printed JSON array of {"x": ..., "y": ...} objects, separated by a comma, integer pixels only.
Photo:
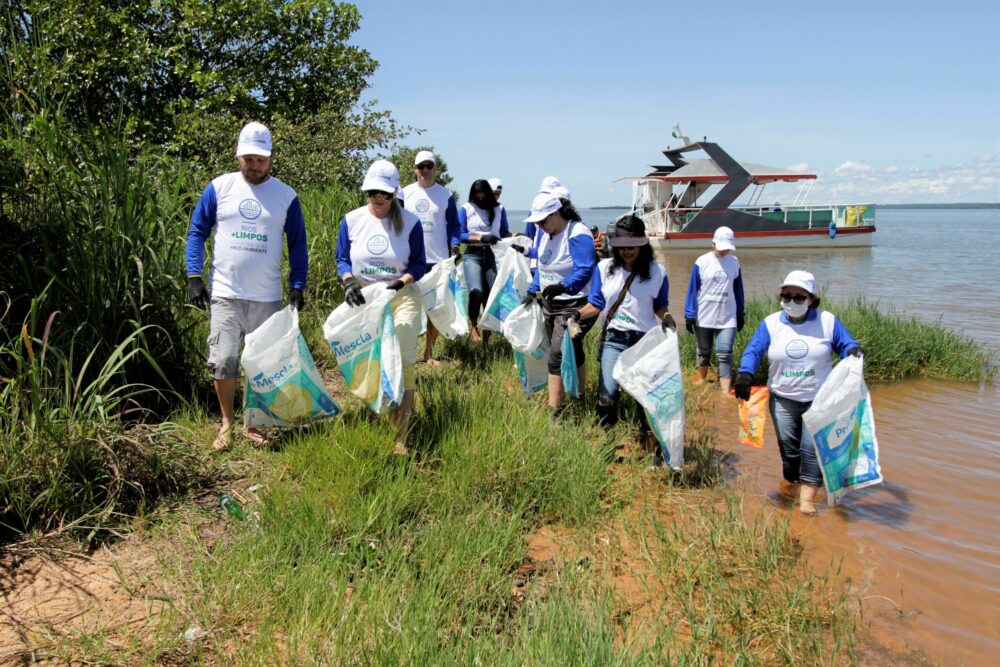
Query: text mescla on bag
[
  {"x": 283, "y": 386},
  {"x": 842, "y": 426},
  {"x": 364, "y": 343}
]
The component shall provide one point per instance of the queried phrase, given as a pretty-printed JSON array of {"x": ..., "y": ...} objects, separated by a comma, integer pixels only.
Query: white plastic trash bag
[
  {"x": 524, "y": 327},
  {"x": 842, "y": 427},
  {"x": 650, "y": 371},
  {"x": 510, "y": 287},
  {"x": 501, "y": 247},
  {"x": 444, "y": 300},
  {"x": 364, "y": 342},
  {"x": 283, "y": 387},
  {"x": 533, "y": 369}
]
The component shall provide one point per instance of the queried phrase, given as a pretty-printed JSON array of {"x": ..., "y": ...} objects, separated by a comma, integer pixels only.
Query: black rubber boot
[{"x": 607, "y": 415}]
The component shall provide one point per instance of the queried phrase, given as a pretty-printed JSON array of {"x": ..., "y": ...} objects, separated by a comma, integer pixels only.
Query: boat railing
[{"x": 673, "y": 218}]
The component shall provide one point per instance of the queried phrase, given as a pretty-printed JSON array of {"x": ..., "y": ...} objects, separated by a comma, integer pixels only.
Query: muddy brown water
[{"x": 923, "y": 550}]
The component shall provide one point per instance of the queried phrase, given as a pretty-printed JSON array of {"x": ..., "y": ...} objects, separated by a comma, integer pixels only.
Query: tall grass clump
[{"x": 896, "y": 346}]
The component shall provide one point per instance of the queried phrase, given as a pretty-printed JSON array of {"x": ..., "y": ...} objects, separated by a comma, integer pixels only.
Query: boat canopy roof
[{"x": 709, "y": 171}]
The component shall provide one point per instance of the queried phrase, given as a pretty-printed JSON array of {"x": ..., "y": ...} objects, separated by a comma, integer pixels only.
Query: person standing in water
[
  {"x": 433, "y": 204},
  {"x": 714, "y": 306},
  {"x": 798, "y": 341},
  {"x": 251, "y": 213}
]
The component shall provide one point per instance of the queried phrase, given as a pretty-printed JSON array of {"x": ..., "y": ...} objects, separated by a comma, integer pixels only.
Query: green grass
[{"x": 896, "y": 346}]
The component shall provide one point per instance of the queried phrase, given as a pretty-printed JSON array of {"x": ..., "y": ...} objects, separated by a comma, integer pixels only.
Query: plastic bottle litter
[{"x": 232, "y": 507}]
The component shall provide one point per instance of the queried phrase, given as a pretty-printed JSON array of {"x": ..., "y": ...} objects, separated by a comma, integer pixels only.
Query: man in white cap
[
  {"x": 251, "y": 213},
  {"x": 497, "y": 186},
  {"x": 714, "y": 306},
  {"x": 433, "y": 204},
  {"x": 549, "y": 183}
]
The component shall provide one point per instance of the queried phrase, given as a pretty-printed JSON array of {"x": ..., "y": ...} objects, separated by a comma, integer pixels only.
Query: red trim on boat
[{"x": 816, "y": 231}]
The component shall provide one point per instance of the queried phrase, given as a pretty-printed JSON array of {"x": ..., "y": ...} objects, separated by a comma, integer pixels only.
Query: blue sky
[{"x": 888, "y": 102}]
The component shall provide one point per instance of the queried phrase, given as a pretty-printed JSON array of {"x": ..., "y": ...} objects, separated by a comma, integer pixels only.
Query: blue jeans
[
  {"x": 723, "y": 348},
  {"x": 798, "y": 454},
  {"x": 615, "y": 342},
  {"x": 480, "y": 266}
]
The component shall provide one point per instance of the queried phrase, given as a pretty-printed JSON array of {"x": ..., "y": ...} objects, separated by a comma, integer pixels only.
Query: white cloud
[
  {"x": 854, "y": 167},
  {"x": 892, "y": 169},
  {"x": 801, "y": 166},
  {"x": 984, "y": 158}
]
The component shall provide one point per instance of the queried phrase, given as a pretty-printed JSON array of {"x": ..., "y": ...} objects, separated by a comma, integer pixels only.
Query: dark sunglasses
[
  {"x": 798, "y": 298},
  {"x": 424, "y": 166},
  {"x": 378, "y": 194}
]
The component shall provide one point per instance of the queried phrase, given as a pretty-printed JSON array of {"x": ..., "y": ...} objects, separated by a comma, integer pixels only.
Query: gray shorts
[{"x": 231, "y": 319}]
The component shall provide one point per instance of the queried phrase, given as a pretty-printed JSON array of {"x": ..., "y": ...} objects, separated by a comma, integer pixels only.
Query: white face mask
[{"x": 795, "y": 310}]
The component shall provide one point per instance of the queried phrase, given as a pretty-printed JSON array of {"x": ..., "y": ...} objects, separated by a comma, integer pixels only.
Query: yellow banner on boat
[{"x": 854, "y": 215}]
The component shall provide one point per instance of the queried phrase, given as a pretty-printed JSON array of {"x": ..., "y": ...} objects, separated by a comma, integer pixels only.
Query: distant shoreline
[{"x": 981, "y": 205}]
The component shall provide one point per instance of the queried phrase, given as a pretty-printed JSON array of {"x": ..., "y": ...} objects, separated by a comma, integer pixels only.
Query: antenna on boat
[{"x": 676, "y": 133}]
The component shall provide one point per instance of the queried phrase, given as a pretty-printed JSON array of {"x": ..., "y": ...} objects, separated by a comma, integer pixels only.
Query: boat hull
[{"x": 850, "y": 237}]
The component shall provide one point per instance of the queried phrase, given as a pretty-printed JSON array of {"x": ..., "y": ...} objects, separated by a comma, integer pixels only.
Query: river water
[{"x": 922, "y": 551}]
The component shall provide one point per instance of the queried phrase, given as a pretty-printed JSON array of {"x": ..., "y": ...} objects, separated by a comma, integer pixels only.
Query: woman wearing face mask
[
  {"x": 482, "y": 222},
  {"x": 565, "y": 267},
  {"x": 632, "y": 289},
  {"x": 798, "y": 341},
  {"x": 383, "y": 242},
  {"x": 714, "y": 306}
]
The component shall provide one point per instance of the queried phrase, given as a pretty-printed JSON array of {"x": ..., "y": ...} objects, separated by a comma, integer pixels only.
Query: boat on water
[{"x": 668, "y": 201}]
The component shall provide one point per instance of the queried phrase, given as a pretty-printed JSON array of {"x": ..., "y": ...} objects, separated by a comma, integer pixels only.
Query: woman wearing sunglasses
[
  {"x": 798, "y": 341},
  {"x": 632, "y": 290},
  {"x": 482, "y": 222},
  {"x": 566, "y": 261},
  {"x": 384, "y": 243}
]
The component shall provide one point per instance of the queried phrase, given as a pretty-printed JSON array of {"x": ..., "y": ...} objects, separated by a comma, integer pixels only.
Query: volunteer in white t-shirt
[
  {"x": 482, "y": 222},
  {"x": 565, "y": 267},
  {"x": 632, "y": 291},
  {"x": 433, "y": 204},
  {"x": 251, "y": 213},
  {"x": 714, "y": 306},
  {"x": 383, "y": 242},
  {"x": 798, "y": 341},
  {"x": 550, "y": 185}
]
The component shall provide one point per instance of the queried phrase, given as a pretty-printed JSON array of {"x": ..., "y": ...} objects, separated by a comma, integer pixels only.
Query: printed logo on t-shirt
[
  {"x": 720, "y": 277},
  {"x": 423, "y": 206},
  {"x": 546, "y": 256},
  {"x": 627, "y": 301},
  {"x": 797, "y": 348},
  {"x": 250, "y": 209},
  {"x": 378, "y": 244}
]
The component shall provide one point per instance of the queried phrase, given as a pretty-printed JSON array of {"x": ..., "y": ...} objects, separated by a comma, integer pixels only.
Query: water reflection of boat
[{"x": 667, "y": 198}]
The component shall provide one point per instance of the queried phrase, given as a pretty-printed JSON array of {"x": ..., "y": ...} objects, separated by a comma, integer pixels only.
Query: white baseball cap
[
  {"x": 424, "y": 156},
  {"x": 561, "y": 191},
  {"x": 255, "y": 139},
  {"x": 495, "y": 183},
  {"x": 723, "y": 239},
  {"x": 383, "y": 176},
  {"x": 548, "y": 183},
  {"x": 802, "y": 279},
  {"x": 542, "y": 206}
]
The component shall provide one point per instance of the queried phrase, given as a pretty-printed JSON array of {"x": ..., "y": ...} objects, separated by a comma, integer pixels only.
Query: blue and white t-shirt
[
  {"x": 799, "y": 354},
  {"x": 474, "y": 221},
  {"x": 568, "y": 258},
  {"x": 637, "y": 311},
  {"x": 436, "y": 210},
  {"x": 369, "y": 249},
  {"x": 250, "y": 222},
  {"x": 715, "y": 292}
]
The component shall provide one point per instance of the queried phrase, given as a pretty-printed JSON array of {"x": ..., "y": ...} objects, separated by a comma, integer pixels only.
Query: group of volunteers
[{"x": 400, "y": 234}]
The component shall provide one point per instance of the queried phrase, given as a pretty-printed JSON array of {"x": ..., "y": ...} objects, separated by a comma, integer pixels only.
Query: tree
[{"x": 186, "y": 75}]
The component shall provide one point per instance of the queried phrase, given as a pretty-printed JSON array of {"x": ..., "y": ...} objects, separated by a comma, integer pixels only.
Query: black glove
[
  {"x": 516, "y": 247},
  {"x": 689, "y": 325},
  {"x": 575, "y": 316},
  {"x": 396, "y": 285},
  {"x": 197, "y": 295},
  {"x": 295, "y": 299},
  {"x": 856, "y": 351},
  {"x": 528, "y": 299},
  {"x": 489, "y": 238},
  {"x": 742, "y": 385},
  {"x": 352, "y": 292},
  {"x": 456, "y": 251},
  {"x": 668, "y": 323},
  {"x": 552, "y": 291},
  {"x": 740, "y": 321}
]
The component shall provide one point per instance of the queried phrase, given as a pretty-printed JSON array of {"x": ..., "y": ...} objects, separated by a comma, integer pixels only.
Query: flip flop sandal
[{"x": 224, "y": 439}]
